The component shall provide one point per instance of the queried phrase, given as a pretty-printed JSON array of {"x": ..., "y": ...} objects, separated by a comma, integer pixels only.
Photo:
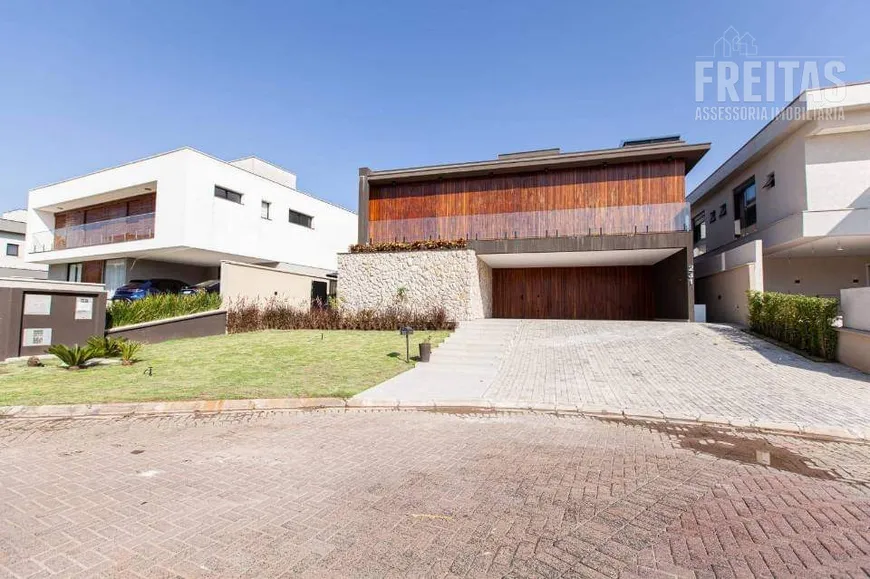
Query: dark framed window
[
  {"x": 723, "y": 210},
  {"x": 74, "y": 271},
  {"x": 265, "y": 207},
  {"x": 699, "y": 227},
  {"x": 223, "y": 193},
  {"x": 745, "y": 214},
  {"x": 300, "y": 219},
  {"x": 12, "y": 249},
  {"x": 713, "y": 216}
]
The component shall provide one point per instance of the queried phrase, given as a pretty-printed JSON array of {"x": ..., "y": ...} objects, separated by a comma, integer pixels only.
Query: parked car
[
  {"x": 212, "y": 286},
  {"x": 139, "y": 288}
]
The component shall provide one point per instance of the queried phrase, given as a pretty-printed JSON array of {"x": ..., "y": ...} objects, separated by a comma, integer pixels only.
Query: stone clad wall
[{"x": 454, "y": 279}]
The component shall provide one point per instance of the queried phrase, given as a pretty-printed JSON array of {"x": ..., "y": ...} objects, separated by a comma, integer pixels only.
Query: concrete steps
[{"x": 461, "y": 367}]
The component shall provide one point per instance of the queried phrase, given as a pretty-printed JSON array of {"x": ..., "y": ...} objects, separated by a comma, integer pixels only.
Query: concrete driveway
[{"x": 670, "y": 369}]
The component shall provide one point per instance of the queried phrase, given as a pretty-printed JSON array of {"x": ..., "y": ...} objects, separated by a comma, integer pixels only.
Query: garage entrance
[
  {"x": 639, "y": 284},
  {"x": 574, "y": 293}
]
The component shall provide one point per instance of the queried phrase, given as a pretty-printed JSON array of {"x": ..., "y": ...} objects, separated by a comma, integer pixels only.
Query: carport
[{"x": 636, "y": 284}]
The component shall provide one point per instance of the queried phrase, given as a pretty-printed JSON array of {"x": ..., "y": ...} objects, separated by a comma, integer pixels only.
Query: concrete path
[
  {"x": 463, "y": 367},
  {"x": 663, "y": 369},
  {"x": 423, "y": 494}
]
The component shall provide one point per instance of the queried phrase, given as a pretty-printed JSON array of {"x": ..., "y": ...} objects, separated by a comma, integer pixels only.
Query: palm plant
[
  {"x": 73, "y": 358},
  {"x": 106, "y": 346},
  {"x": 129, "y": 349}
]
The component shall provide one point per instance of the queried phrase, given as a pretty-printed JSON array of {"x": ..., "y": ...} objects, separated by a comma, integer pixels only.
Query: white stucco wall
[
  {"x": 838, "y": 171},
  {"x": 855, "y": 304},
  {"x": 454, "y": 279},
  {"x": 819, "y": 276},
  {"x": 788, "y": 197},
  {"x": 253, "y": 283},
  {"x": 188, "y": 215}
]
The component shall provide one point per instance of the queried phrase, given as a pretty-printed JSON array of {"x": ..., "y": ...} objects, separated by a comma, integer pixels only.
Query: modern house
[
  {"x": 13, "y": 225},
  {"x": 790, "y": 211},
  {"x": 599, "y": 234},
  {"x": 179, "y": 215}
]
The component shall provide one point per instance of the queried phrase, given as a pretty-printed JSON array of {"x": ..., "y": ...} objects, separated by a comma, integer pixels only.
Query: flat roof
[
  {"x": 12, "y": 226},
  {"x": 691, "y": 153}
]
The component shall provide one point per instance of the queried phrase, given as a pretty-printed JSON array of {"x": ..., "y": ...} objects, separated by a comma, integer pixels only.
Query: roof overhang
[
  {"x": 690, "y": 153},
  {"x": 605, "y": 258}
]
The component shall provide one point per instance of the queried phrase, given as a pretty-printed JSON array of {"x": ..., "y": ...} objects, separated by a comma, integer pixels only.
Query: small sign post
[{"x": 407, "y": 331}]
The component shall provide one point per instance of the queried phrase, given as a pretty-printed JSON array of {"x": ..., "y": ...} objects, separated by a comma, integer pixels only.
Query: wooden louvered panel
[{"x": 518, "y": 200}]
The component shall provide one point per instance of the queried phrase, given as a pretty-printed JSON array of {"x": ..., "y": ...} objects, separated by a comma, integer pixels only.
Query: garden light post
[{"x": 407, "y": 331}]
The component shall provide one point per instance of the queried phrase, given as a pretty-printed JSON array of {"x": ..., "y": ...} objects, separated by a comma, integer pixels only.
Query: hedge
[
  {"x": 804, "y": 322},
  {"x": 275, "y": 314},
  {"x": 409, "y": 245},
  {"x": 159, "y": 307}
]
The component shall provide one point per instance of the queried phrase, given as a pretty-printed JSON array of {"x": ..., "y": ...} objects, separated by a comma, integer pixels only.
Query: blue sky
[{"x": 325, "y": 87}]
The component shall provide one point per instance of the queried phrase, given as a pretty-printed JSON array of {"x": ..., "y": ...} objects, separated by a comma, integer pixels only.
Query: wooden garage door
[{"x": 574, "y": 293}]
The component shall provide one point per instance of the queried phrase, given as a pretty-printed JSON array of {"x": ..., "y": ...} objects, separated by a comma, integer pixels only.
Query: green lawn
[{"x": 270, "y": 364}]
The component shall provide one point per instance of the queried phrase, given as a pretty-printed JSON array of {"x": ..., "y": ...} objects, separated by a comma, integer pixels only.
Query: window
[
  {"x": 264, "y": 209},
  {"x": 12, "y": 249},
  {"x": 699, "y": 227},
  {"x": 227, "y": 194},
  {"x": 300, "y": 218},
  {"x": 713, "y": 216},
  {"x": 770, "y": 181},
  {"x": 723, "y": 210},
  {"x": 115, "y": 274},
  {"x": 744, "y": 207},
  {"x": 74, "y": 272}
]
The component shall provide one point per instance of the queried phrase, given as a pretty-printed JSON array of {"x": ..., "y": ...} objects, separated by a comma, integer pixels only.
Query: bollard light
[{"x": 407, "y": 331}]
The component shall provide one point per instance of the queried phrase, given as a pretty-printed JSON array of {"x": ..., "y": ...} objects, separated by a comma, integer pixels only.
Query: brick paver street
[
  {"x": 670, "y": 369},
  {"x": 391, "y": 494}
]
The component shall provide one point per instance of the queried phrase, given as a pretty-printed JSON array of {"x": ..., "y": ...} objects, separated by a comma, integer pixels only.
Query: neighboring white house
[
  {"x": 13, "y": 225},
  {"x": 178, "y": 215},
  {"x": 790, "y": 211}
]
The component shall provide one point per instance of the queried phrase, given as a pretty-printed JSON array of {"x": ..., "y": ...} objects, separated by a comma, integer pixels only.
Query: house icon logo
[{"x": 732, "y": 44}]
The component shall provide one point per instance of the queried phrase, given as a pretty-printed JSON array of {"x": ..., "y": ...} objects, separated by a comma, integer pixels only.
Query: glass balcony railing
[
  {"x": 119, "y": 230},
  {"x": 577, "y": 222}
]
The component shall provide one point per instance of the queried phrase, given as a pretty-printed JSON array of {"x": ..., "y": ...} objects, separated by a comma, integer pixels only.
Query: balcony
[
  {"x": 119, "y": 230},
  {"x": 577, "y": 222}
]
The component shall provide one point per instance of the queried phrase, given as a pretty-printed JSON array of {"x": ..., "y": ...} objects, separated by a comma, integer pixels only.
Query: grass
[{"x": 268, "y": 364}]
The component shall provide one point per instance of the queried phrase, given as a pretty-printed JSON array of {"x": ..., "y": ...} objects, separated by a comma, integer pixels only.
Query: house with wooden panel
[
  {"x": 601, "y": 234},
  {"x": 177, "y": 216}
]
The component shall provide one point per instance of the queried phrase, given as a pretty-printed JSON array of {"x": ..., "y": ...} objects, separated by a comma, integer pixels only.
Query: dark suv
[{"x": 139, "y": 288}]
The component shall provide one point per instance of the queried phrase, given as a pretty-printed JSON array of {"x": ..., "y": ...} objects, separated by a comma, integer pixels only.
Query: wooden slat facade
[
  {"x": 574, "y": 293},
  {"x": 532, "y": 204},
  {"x": 82, "y": 227},
  {"x": 137, "y": 205}
]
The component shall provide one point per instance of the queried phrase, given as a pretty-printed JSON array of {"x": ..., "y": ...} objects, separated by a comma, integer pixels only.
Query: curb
[{"x": 213, "y": 407}]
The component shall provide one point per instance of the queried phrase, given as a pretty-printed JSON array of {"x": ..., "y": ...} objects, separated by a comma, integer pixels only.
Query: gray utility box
[{"x": 37, "y": 313}]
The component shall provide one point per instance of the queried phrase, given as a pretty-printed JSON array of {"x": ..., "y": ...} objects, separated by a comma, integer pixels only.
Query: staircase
[{"x": 461, "y": 367}]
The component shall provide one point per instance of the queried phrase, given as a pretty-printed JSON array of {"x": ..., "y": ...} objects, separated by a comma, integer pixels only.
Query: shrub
[
  {"x": 409, "y": 245},
  {"x": 805, "y": 322},
  {"x": 128, "y": 351},
  {"x": 160, "y": 306},
  {"x": 276, "y": 314},
  {"x": 75, "y": 357},
  {"x": 105, "y": 346}
]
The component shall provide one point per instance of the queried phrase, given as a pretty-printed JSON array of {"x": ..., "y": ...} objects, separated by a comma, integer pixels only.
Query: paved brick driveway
[
  {"x": 391, "y": 494},
  {"x": 679, "y": 369},
  {"x": 670, "y": 369}
]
